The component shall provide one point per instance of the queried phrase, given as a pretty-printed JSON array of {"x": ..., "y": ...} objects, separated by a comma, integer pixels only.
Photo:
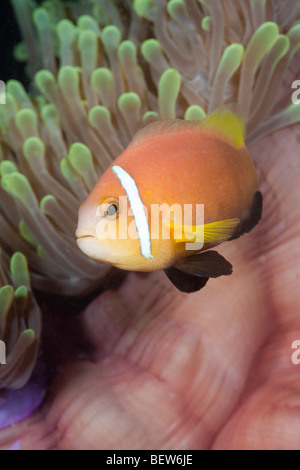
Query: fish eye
[{"x": 110, "y": 208}]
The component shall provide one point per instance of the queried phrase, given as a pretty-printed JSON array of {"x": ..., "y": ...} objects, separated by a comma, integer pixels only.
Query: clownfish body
[{"x": 179, "y": 188}]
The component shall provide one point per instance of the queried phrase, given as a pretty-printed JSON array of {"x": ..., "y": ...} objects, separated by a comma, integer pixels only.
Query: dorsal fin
[
  {"x": 155, "y": 127},
  {"x": 229, "y": 122},
  {"x": 226, "y": 121}
]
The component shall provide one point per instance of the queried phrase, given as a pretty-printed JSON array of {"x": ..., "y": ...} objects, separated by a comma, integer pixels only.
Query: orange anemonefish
[{"x": 135, "y": 217}]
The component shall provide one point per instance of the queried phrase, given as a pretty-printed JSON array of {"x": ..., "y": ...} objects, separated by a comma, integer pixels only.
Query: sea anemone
[
  {"x": 102, "y": 70},
  {"x": 20, "y": 322}
]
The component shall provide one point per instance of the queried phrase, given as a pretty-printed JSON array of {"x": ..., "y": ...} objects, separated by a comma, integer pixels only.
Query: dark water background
[{"x": 9, "y": 38}]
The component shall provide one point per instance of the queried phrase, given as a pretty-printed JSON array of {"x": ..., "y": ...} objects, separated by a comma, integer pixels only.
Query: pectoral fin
[
  {"x": 193, "y": 272},
  {"x": 207, "y": 263},
  {"x": 215, "y": 232}
]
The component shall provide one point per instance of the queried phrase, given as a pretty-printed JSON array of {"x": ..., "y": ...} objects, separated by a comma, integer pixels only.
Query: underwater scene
[{"x": 149, "y": 225}]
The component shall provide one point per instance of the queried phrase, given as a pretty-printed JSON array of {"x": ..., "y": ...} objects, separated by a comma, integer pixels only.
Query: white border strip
[{"x": 137, "y": 208}]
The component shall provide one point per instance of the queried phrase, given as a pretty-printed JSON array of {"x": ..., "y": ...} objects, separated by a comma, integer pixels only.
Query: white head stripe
[{"x": 137, "y": 208}]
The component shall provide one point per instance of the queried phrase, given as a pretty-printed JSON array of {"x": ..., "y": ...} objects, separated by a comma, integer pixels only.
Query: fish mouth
[
  {"x": 92, "y": 247},
  {"x": 84, "y": 233},
  {"x": 85, "y": 236}
]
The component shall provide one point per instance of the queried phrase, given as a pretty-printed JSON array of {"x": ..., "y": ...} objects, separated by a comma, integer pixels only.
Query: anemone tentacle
[{"x": 20, "y": 322}]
